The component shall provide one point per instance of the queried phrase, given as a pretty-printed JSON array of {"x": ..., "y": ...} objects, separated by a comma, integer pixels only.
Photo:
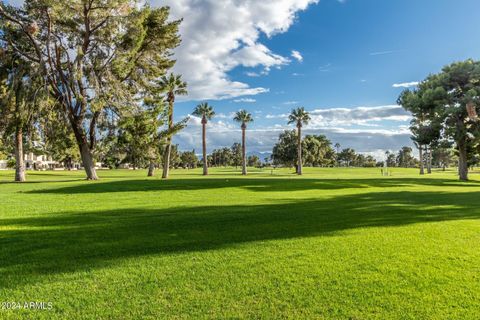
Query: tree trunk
[
  {"x": 429, "y": 160},
  {"x": 462, "y": 160},
  {"x": 204, "y": 142},
  {"x": 166, "y": 160},
  {"x": 299, "y": 152},
  {"x": 422, "y": 166},
  {"x": 244, "y": 154},
  {"x": 85, "y": 151},
  {"x": 69, "y": 164},
  {"x": 168, "y": 149},
  {"x": 151, "y": 169},
  {"x": 20, "y": 161},
  {"x": 88, "y": 163}
]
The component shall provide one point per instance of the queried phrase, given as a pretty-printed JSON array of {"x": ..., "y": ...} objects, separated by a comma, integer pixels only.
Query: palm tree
[
  {"x": 300, "y": 117},
  {"x": 243, "y": 117},
  {"x": 205, "y": 111},
  {"x": 173, "y": 86}
]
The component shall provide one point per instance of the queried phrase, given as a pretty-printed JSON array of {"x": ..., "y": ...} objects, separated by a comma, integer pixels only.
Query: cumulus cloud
[
  {"x": 297, "y": 55},
  {"x": 406, "y": 84},
  {"x": 218, "y": 36},
  {"x": 360, "y": 116},
  {"x": 347, "y": 117},
  {"x": 362, "y": 128}
]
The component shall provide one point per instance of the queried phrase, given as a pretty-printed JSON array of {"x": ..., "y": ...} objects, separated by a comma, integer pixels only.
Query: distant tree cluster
[
  {"x": 317, "y": 152},
  {"x": 349, "y": 158},
  {"x": 226, "y": 157}
]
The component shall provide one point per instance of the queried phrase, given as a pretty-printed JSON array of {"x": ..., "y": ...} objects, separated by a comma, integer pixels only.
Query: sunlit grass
[{"x": 335, "y": 243}]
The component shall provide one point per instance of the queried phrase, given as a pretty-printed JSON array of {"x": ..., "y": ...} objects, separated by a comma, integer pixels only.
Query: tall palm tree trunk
[
  {"x": 20, "y": 163},
  {"x": 299, "y": 151},
  {"x": 422, "y": 166},
  {"x": 244, "y": 154},
  {"x": 204, "y": 142},
  {"x": 168, "y": 149},
  {"x": 166, "y": 159}
]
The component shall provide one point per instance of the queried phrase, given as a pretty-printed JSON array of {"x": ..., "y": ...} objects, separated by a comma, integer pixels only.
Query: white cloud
[
  {"x": 252, "y": 74},
  {"x": 245, "y": 100},
  {"x": 347, "y": 117},
  {"x": 360, "y": 116},
  {"x": 218, "y": 36},
  {"x": 381, "y": 53},
  {"x": 406, "y": 84},
  {"x": 325, "y": 68},
  {"x": 290, "y": 103},
  {"x": 297, "y": 55}
]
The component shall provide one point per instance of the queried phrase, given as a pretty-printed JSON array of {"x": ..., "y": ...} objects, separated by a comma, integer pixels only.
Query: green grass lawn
[{"x": 333, "y": 244}]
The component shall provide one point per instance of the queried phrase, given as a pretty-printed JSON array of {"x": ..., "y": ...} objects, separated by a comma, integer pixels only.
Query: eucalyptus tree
[
  {"x": 299, "y": 117},
  {"x": 244, "y": 118},
  {"x": 204, "y": 111},
  {"x": 173, "y": 86},
  {"x": 22, "y": 98},
  {"x": 94, "y": 55}
]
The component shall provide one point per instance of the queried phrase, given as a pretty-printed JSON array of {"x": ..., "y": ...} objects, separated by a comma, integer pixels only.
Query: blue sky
[
  {"x": 353, "y": 53},
  {"x": 346, "y": 61}
]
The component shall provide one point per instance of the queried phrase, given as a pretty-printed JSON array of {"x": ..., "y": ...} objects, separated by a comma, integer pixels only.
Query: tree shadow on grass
[
  {"x": 31, "y": 248},
  {"x": 262, "y": 184}
]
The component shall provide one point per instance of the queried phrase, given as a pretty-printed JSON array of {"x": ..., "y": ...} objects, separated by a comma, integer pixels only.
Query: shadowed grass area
[{"x": 337, "y": 243}]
